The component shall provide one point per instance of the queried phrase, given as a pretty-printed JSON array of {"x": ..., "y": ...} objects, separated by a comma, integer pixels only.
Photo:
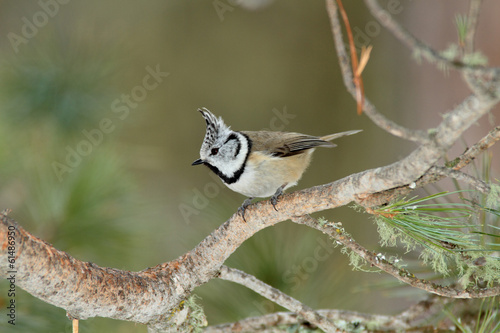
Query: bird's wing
[{"x": 283, "y": 144}]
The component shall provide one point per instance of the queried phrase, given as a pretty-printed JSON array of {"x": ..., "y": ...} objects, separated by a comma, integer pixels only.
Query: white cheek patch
[{"x": 230, "y": 168}]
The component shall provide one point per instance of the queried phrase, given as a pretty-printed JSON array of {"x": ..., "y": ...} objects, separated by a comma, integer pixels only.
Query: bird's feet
[
  {"x": 277, "y": 195},
  {"x": 241, "y": 210}
]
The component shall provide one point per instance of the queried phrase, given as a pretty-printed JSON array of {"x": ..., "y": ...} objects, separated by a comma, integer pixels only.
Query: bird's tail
[{"x": 338, "y": 135}]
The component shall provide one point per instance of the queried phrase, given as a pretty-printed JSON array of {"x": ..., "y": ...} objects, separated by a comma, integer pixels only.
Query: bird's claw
[
  {"x": 274, "y": 201},
  {"x": 276, "y": 196},
  {"x": 242, "y": 209}
]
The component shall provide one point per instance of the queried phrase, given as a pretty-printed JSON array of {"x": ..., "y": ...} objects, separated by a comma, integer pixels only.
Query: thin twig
[
  {"x": 471, "y": 153},
  {"x": 275, "y": 295},
  {"x": 414, "y": 44},
  {"x": 478, "y": 78},
  {"x": 399, "y": 273},
  {"x": 472, "y": 19},
  {"x": 356, "y": 69},
  {"x": 369, "y": 109},
  {"x": 458, "y": 175}
]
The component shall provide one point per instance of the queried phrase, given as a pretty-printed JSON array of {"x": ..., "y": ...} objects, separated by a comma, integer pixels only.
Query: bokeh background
[{"x": 132, "y": 200}]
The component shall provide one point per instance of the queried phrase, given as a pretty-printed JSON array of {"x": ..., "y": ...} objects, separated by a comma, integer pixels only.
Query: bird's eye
[{"x": 214, "y": 151}]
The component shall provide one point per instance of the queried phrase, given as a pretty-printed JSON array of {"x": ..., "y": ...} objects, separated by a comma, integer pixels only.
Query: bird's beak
[{"x": 197, "y": 162}]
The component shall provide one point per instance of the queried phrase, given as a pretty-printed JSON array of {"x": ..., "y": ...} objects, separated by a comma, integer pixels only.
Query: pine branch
[{"x": 337, "y": 234}]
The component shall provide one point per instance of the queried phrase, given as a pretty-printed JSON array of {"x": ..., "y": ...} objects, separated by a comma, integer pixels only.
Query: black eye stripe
[
  {"x": 231, "y": 137},
  {"x": 237, "y": 150}
]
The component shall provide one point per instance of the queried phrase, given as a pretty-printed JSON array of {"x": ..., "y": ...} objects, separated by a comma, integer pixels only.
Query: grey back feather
[{"x": 283, "y": 144}]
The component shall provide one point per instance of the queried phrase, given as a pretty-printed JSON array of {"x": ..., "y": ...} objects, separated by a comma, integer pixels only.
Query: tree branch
[
  {"x": 275, "y": 295},
  {"x": 415, "y": 319},
  {"x": 458, "y": 163},
  {"x": 350, "y": 321},
  {"x": 474, "y": 182},
  {"x": 471, "y": 153},
  {"x": 59, "y": 279}
]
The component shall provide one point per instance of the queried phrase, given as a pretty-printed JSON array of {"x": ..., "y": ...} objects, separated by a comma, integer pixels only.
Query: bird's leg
[
  {"x": 241, "y": 210},
  {"x": 276, "y": 195}
]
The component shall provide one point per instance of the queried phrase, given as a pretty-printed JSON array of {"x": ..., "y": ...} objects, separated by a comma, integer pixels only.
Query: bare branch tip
[{"x": 5, "y": 211}]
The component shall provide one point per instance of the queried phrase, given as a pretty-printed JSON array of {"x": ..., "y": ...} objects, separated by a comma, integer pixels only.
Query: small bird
[{"x": 258, "y": 163}]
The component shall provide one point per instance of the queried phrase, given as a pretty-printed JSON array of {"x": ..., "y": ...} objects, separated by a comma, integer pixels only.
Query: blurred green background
[{"x": 77, "y": 77}]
